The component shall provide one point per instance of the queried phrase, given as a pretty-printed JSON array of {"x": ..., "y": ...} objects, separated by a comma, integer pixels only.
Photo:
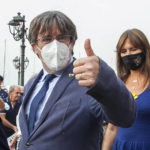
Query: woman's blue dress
[{"x": 137, "y": 137}]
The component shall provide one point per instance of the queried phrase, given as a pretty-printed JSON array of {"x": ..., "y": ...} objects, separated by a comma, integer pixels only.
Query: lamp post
[
  {"x": 18, "y": 30},
  {"x": 17, "y": 64}
]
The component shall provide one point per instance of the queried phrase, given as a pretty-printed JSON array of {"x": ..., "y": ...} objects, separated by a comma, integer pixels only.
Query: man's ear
[
  {"x": 34, "y": 48},
  {"x": 71, "y": 47},
  {"x": 72, "y": 44}
]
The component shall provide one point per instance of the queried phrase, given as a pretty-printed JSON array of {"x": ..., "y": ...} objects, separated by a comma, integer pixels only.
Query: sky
[{"x": 103, "y": 21}]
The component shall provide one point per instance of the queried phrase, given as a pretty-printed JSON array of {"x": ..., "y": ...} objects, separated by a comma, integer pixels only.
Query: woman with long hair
[{"x": 133, "y": 68}]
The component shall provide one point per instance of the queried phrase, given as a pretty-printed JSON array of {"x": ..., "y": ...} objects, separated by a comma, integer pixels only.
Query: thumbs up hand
[{"x": 86, "y": 69}]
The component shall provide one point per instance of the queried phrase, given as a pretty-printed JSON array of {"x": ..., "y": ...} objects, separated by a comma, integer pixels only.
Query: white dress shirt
[{"x": 48, "y": 93}]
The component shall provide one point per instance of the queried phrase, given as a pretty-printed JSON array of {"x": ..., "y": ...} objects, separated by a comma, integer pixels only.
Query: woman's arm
[{"x": 109, "y": 137}]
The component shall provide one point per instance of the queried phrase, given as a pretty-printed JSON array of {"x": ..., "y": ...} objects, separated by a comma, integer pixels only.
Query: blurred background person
[
  {"x": 133, "y": 67},
  {"x": 14, "y": 143},
  {"x": 8, "y": 115},
  {"x": 6, "y": 90},
  {"x": 3, "y": 93},
  {"x": 21, "y": 93},
  {"x": 3, "y": 139}
]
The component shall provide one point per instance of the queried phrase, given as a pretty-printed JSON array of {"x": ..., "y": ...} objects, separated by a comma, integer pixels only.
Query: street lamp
[
  {"x": 18, "y": 30},
  {"x": 17, "y": 64}
]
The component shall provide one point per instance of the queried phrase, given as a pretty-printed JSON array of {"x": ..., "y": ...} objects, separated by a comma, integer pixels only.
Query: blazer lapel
[
  {"x": 26, "y": 98},
  {"x": 59, "y": 89}
]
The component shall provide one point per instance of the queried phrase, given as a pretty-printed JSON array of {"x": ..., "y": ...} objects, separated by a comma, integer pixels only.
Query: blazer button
[{"x": 28, "y": 144}]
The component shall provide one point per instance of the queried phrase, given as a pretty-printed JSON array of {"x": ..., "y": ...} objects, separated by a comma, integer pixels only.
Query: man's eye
[
  {"x": 60, "y": 38},
  {"x": 46, "y": 39}
]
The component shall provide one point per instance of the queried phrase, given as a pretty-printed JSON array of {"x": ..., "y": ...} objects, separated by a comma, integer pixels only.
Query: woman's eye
[{"x": 123, "y": 51}]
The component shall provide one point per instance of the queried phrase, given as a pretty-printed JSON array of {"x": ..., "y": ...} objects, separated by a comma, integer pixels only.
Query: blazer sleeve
[{"x": 116, "y": 101}]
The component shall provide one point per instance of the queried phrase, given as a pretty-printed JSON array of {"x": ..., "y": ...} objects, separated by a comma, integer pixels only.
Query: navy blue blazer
[{"x": 72, "y": 118}]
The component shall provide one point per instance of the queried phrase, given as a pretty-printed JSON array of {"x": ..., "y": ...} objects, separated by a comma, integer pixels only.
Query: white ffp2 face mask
[{"x": 55, "y": 55}]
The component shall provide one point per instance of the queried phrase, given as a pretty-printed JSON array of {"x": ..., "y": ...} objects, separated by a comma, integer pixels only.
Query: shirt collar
[
  {"x": 45, "y": 73},
  {"x": 58, "y": 74}
]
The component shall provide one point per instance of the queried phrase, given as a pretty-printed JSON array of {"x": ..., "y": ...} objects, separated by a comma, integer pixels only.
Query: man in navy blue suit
[{"x": 65, "y": 104}]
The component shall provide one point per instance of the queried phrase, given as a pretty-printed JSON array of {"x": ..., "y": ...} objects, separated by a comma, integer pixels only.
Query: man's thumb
[{"x": 88, "y": 49}]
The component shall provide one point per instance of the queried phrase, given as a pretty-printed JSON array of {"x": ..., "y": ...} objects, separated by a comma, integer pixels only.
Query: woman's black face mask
[{"x": 133, "y": 62}]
